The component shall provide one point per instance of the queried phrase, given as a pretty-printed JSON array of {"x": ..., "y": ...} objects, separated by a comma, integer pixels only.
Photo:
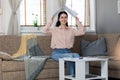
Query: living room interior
[{"x": 103, "y": 21}]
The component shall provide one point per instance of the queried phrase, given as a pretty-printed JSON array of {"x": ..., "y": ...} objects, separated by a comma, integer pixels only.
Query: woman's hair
[{"x": 58, "y": 22}]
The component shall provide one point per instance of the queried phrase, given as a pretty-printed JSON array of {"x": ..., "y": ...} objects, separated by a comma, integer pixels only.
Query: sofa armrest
[{"x": 114, "y": 58}]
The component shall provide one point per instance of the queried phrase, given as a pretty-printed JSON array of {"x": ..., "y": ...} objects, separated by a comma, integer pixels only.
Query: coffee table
[{"x": 82, "y": 68}]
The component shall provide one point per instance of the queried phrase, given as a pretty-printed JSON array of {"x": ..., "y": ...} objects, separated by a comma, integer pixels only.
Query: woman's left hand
[
  {"x": 80, "y": 26},
  {"x": 77, "y": 21}
]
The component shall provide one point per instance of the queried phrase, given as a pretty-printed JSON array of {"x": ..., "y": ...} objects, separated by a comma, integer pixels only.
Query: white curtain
[
  {"x": 13, "y": 28},
  {"x": 62, "y": 6}
]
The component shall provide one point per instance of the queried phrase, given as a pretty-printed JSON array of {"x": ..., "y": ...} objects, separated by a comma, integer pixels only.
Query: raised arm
[
  {"x": 80, "y": 30},
  {"x": 48, "y": 25}
]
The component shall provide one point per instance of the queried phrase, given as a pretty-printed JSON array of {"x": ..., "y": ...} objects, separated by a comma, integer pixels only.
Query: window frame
[
  {"x": 44, "y": 15},
  {"x": 92, "y": 27}
]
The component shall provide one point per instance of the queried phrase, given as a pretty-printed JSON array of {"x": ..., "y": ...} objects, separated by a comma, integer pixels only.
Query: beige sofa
[{"x": 14, "y": 70}]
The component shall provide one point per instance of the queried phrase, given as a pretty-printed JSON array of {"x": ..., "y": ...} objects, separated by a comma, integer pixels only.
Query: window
[
  {"x": 78, "y": 6},
  {"x": 85, "y": 10},
  {"x": 31, "y": 10}
]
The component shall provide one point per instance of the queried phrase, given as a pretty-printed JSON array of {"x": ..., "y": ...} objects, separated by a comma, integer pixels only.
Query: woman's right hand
[
  {"x": 51, "y": 20},
  {"x": 48, "y": 25},
  {"x": 77, "y": 21}
]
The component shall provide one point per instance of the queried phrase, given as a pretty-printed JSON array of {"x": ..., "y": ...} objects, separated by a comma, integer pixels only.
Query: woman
[{"x": 63, "y": 39}]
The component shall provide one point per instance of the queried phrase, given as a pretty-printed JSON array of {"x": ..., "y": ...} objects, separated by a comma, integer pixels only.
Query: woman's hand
[
  {"x": 48, "y": 25},
  {"x": 80, "y": 27},
  {"x": 77, "y": 21},
  {"x": 51, "y": 20}
]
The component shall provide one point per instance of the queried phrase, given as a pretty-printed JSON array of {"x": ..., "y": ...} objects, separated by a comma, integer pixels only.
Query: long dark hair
[{"x": 58, "y": 22}]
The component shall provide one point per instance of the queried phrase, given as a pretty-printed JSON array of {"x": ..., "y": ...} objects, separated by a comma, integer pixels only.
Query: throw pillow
[
  {"x": 5, "y": 56},
  {"x": 33, "y": 48},
  {"x": 95, "y": 48}
]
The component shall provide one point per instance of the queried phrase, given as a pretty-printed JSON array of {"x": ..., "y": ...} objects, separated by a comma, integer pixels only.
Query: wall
[{"x": 108, "y": 20}]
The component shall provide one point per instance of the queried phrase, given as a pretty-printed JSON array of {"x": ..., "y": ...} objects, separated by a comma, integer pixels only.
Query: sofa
[{"x": 14, "y": 70}]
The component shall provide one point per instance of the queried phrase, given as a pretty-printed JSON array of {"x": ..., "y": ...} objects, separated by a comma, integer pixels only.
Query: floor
[
  {"x": 110, "y": 79},
  {"x": 100, "y": 79},
  {"x": 113, "y": 79}
]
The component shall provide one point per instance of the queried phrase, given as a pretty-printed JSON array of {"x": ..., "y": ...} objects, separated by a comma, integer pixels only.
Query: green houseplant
[{"x": 35, "y": 20}]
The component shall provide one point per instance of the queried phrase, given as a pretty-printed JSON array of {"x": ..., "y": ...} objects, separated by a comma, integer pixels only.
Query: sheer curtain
[
  {"x": 13, "y": 28},
  {"x": 1, "y": 28}
]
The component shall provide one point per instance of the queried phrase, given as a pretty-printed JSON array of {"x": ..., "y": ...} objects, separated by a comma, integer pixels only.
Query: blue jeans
[{"x": 62, "y": 53}]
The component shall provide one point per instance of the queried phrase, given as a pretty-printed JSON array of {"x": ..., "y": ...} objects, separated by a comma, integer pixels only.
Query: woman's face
[{"x": 63, "y": 19}]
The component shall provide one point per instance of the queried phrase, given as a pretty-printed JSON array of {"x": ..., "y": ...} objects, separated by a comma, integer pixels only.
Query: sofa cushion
[
  {"x": 111, "y": 41},
  {"x": 117, "y": 49},
  {"x": 44, "y": 44},
  {"x": 24, "y": 47},
  {"x": 17, "y": 75},
  {"x": 9, "y": 43},
  {"x": 46, "y": 74},
  {"x": 95, "y": 48},
  {"x": 11, "y": 70},
  {"x": 112, "y": 64},
  {"x": 13, "y": 65},
  {"x": 28, "y": 47},
  {"x": 5, "y": 56},
  {"x": 33, "y": 48}
]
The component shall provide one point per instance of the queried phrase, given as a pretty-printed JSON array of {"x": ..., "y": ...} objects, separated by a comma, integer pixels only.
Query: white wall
[{"x": 108, "y": 19}]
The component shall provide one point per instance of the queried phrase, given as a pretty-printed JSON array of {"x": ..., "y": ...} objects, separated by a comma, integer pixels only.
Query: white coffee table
[{"x": 82, "y": 68}]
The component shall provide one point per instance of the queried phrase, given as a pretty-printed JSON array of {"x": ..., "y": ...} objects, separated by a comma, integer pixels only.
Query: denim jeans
[{"x": 62, "y": 53}]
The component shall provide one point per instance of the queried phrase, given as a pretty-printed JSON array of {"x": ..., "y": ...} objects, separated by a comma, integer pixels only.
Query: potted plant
[{"x": 35, "y": 20}]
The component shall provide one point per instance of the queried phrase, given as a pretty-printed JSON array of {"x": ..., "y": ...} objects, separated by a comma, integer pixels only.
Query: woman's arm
[
  {"x": 48, "y": 25},
  {"x": 80, "y": 30}
]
